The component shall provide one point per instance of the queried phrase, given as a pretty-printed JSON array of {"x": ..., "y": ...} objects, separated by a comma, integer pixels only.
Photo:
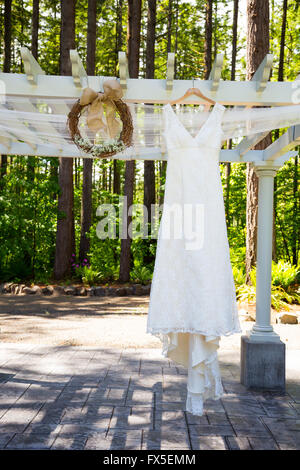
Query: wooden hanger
[{"x": 190, "y": 92}]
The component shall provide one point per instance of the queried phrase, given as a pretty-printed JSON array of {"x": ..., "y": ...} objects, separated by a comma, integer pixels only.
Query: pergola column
[{"x": 262, "y": 351}]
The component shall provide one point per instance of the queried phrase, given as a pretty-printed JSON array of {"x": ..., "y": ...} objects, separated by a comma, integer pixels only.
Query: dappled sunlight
[{"x": 90, "y": 398}]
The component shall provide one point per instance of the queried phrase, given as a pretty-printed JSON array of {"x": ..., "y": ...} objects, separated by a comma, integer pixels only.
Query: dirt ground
[{"x": 98, "y": 321}]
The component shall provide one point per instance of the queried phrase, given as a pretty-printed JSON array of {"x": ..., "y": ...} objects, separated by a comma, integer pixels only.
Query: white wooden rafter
[
  {"x": 27, "y": 134},
  {"x": 247, "y": 143},
  {"x": 287, "y": 141},
  {"x": 123, "y": 70},
  {"x": 27, "y": 106},
  {"x": 233, "y": 93},
  {"x": 215, "y": 74},
  {"x": 262, "y": 74},
  {"x": 263, "y": 93},
  {"x": 31, "y": 66},
  {"x": 260, "y": 79},
  {"x": 170, "y": 71},
  {"x": 78, "y": 71}
]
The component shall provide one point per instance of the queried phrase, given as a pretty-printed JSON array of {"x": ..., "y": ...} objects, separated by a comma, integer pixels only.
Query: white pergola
[{"x": 257, "y": 92}]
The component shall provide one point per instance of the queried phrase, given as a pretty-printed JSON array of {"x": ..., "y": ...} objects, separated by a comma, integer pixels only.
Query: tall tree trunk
[
  {"x": 119, "y": 29},
  {"x": 91, "y": 37},
  {"x": 232, "y": 78},
  {"x": 6, "y": 68},
  {"x": 34, "y": 51},
  {"x": 169, "y": 27},
  {"x": 295, "y": 236},
  {"x": 282, "y": 41},
  {"x": 119, "y": 45},
  {"x": 133, "y": 50},
  {"x": 7, "y": 36},
  {"x": 176, "y": 38},
  {"x": 149, "y": 166},
  {"x": 86, "y": 202},
  {"x": 208, "y": 38},
  {"x": 65, "y": 236},
  {"x": 276, "y": 132},
  {"x": 163, "y": 166},
  {"x": 234, "y": 38},
  {"x": 35, "y": 28},
  {"x": 257, "y": 48}
]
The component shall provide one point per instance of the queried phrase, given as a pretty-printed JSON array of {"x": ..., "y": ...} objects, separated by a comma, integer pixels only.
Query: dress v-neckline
[{"x": 202, "y": 129}]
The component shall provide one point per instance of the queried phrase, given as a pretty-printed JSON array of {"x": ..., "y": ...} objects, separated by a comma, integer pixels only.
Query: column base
[{"x": 263, "y": 364}]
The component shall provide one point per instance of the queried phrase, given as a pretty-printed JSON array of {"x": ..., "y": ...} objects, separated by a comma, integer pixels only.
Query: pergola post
[{"x": 262, "y": 351}]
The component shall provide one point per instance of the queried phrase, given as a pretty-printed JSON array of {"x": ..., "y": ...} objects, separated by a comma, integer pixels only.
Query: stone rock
[
  {"x": 81, "y": 290},
  {"x": 20, "y": 289},
  {"x": 37, "y": 290},
  {"x": 13, "y": 288},
  {"x": 287, "y": 318},
  {"x": 48, "y": 290},
  {"x": 100, "y": 291},
  {"x": 138, "y": 289},
  {"x": 129, "y": 290},
  {"x": 111, "y": 291},
  {"x": 90, "y": 292},
  {"x": 70, "y": 290},
  {"x": 32, "y": 290},
  {"x": 121, "y": 291},
  {"x": 7, "y": 287},
  {"x": 58, "y": 290},
  {"x": 146, "y": 289}
]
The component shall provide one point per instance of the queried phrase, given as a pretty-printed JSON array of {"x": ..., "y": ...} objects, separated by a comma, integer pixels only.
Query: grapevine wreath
[{"x": 109, "y": 101}]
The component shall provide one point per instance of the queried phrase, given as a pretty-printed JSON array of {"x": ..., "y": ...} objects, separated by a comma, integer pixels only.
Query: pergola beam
[
  {"x": 41, "y": 127},
  {"x": 123, "y": 70},
  {"x": 170, "y": 71},
  {"x": 39, "y": 150},
  {"x": 248, "y": 143},
  {"x": 215, "y": 74},
  {"x": 78, "y": 71},
  {"x": 232, "y": 93},
  {"x": 70, "y": 150},
  {"x": 262, "y": 74},
  {"x": 289, "y": 140},
  {"x": 31, "y": 66},
  {"x": 25, "y": 132}
]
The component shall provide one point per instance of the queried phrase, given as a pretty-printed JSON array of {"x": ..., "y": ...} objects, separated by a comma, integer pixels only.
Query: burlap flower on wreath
[{"x": 108, "y": 104}]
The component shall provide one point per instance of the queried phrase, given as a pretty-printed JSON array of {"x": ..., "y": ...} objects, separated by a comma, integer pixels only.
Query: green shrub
[
  {"x": 282, "y": 294},
  {"x": 88, "y": 275},
  {"x": 141, "y": 274},
  {"x": 238, "y": 275},
  {"x": 284, "y": 274}
]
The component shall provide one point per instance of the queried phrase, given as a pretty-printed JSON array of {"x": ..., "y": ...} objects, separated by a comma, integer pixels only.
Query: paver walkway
[{"x": 91, "y": 398}]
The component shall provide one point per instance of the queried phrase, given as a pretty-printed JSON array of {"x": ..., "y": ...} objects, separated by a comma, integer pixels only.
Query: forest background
[{"x": 48, "y": 205}]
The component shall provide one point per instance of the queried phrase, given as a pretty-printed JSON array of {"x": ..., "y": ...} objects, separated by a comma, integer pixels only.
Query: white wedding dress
[{"x": 192, "y": 301}]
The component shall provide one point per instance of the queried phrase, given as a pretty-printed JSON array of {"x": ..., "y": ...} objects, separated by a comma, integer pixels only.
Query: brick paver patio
[{"x": 92, "y": 398}]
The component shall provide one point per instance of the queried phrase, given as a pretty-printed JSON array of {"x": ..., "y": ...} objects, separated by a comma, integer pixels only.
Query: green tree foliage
[{"x": 28, "y": 206}]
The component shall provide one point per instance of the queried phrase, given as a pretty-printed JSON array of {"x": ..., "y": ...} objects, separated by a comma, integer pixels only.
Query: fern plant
[
  {"x": 88, "y": 275},
  {"x": 284, "y": 274},
  {"x": 282, "y": 293},
  {"x": 141, "y": 274},
  {"x": 238, "y": 275}
]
